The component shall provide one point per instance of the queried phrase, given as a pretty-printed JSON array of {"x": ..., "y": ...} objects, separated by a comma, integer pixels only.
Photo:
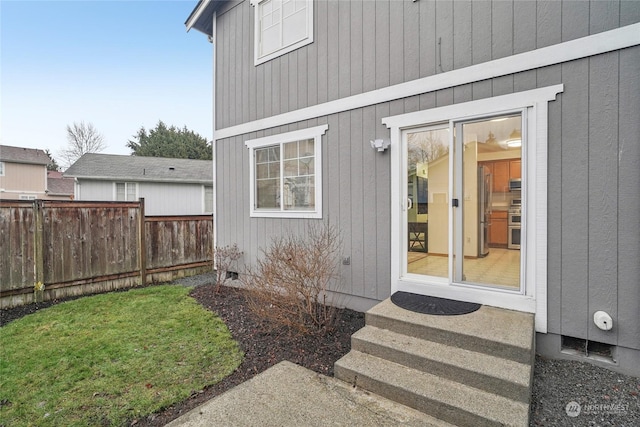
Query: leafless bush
[
  {"x": 226, "y": 260},
  {"x": 290, "y": 283}
]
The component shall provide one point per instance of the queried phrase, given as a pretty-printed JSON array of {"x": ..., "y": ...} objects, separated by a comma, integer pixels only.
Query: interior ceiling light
[
  {"x": 515, "y": 139},
  {"x": 491, "y": 139}
]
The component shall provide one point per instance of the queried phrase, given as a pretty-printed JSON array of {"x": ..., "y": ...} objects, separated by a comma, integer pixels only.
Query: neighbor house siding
[
  {"x": 593, "y": 131},
  {"x": 22, "y": 178},
  {"x": 94, "y": 190},
  {"x": 171, "y": 198},
  {"x": 160, "y": 198}
]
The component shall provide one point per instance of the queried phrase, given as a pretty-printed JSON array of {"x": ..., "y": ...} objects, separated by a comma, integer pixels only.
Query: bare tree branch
[{"x": 82, "y": 138}]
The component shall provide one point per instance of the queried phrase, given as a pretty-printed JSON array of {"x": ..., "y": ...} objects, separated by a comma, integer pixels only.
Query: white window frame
[
  {"x": 126, "y": 191},
  {"x": 1, "y": 168},
  {"x": 314, "y": 133},
  {"x": 535, "y": 102},
  {"x": 27, "y": 197},
  {"x": 258, "y": 4}
]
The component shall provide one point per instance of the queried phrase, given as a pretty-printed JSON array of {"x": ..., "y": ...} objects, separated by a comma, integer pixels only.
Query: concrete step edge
[
  {"x": 497, "y": 332},
  {"x": 441, "y": 398},
  {"x": 489, "y": 373}
]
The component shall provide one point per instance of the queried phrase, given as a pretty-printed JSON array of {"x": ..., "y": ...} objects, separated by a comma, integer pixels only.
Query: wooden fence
[{"x": 75, "y": 248}]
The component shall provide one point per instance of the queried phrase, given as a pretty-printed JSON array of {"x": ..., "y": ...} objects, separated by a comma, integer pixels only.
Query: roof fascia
[{"x": 196, "y": 14}]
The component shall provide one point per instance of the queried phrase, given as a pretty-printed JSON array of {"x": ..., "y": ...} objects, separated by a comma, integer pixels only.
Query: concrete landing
[{"x": 290, "y": 395}]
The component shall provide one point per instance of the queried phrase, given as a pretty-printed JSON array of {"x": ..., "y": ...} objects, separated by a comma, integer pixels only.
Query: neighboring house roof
[
  {"x": 59, "y": 186},
  {"x": 135, "y": 168},
  {"x": 32, "y": 156}
]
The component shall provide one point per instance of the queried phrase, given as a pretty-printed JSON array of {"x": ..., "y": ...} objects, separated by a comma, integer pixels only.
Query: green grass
[{"x": 110, "y": 358}]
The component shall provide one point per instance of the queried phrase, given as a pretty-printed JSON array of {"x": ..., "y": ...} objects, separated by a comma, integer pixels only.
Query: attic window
[{"x": 281, "y": 26}]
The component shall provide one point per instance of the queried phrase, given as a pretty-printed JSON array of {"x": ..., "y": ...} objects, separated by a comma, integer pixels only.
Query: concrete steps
[{"x": 468, "y": 370}]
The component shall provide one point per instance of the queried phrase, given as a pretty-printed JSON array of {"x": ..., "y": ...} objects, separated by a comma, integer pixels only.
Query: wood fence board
[{"x": 84, "y": 244}]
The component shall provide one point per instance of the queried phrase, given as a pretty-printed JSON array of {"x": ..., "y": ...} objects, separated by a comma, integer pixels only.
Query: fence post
[
  {"x": 38, "y": 242},
  {"x": 142, "y": 243}
]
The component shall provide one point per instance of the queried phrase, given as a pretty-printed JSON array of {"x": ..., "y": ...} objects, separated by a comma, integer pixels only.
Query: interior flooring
[{"x": 501, "y": 267}]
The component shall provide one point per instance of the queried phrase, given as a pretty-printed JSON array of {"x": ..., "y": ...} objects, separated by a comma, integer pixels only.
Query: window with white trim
[
  {"x": 126, "y": 191},
  {"x": 1, "y": 168},
  {"x": 285, "y": 174},
  {"x": 281, "y": 26},
  {"x": 27, "y": 197}
]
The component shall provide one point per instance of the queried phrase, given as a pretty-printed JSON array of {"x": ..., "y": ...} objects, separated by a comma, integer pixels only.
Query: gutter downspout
[{"x": 212, "y": 40}]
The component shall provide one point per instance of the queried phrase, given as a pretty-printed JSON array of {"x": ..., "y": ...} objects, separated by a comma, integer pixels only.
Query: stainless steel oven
[
  {"x": 514, "y": 222},
  {"x": 513, "y": 239}
]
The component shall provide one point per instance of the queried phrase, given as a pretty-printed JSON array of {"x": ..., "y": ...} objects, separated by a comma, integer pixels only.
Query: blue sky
[{"x": 119, "y": 65}]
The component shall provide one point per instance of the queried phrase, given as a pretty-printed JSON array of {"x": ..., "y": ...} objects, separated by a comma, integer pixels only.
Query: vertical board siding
[
  {"x": 571, "y": 197},
  {"x": 359, "y": 46},
  {"x": 628, "y": 198},
  {"x": 603, "y": 183}
]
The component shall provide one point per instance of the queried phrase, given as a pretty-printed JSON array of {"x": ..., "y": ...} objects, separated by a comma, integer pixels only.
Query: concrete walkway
[{"x": 290, "y": 395}]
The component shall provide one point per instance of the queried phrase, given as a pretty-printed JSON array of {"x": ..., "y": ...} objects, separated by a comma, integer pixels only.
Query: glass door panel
[
  {"x": 487, "y": 163},
  {"x": 428, "y": 201}
]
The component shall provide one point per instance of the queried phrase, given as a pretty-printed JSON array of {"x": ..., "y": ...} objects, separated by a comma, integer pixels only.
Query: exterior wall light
[{"x": 380, "y": 144}]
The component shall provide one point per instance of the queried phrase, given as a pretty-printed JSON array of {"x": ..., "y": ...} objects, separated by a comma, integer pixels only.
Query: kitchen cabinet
[
  {"x": 515, "y": 169},
  {"x": 502, "y": 171},
  {"x": 500, "y": 176},
  {"x": 498, "y": 229}
]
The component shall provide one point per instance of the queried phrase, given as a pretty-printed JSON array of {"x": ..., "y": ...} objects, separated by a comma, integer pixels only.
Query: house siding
[
  {"x": 354, "y": 47},
  {"x": 594, "y": 151},
  {"x": 23, "y": 179},
  {"x": 160, "y": 198}
]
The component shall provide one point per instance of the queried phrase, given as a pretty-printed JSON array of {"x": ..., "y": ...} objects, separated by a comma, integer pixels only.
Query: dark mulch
[
  {"x": 262, "y": 348},
  {"x": 607, "y": 398}
]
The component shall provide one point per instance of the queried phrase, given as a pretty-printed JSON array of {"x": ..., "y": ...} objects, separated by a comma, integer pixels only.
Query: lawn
[{"x": 111, "y": 358}]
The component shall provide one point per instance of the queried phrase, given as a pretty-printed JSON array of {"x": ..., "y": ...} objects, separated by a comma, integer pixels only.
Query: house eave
[{"x": 200, "y": 17}]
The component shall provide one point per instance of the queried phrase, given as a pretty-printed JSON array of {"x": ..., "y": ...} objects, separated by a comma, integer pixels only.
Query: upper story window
[
  {"x": 1, "y": 168},
  {"x": 285, "y": 174},
  {"x": 281, "y": 26},
  {"x": 126, "y": 191}
]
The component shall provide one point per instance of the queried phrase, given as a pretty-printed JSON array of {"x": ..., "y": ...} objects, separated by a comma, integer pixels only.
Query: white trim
[
  {"x": 214, "y": 50},
  {"x": 201, "y": 8},
  {"x": 315, "y": 133},
  {"x": 606, "y": 41},
  {"x": 534, "y": 299}
]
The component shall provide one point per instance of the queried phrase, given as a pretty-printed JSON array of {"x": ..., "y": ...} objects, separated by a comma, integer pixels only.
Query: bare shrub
[
  {"x": 226, "y": 261},
  {"x": 290, "y": 283}
]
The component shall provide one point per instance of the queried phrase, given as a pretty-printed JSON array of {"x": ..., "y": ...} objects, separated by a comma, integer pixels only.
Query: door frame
[{"x": 534, "y": 298}]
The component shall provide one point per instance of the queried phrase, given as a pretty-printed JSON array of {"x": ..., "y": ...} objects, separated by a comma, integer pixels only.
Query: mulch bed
[
  {"x": 556, "y": 382},
  {"x": 262, "y": 347}
]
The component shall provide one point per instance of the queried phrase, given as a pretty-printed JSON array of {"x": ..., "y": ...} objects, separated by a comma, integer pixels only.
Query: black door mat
[{"x": 432, "y": 305}]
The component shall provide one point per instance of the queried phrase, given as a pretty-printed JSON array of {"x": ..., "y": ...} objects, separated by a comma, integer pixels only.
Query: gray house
[
  {"x": 169, "y": 186},
  {"x": 486, "y": 152}
]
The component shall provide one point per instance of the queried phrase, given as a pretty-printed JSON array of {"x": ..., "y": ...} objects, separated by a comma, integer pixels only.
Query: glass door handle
[{"x": 409, "y": 203}]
